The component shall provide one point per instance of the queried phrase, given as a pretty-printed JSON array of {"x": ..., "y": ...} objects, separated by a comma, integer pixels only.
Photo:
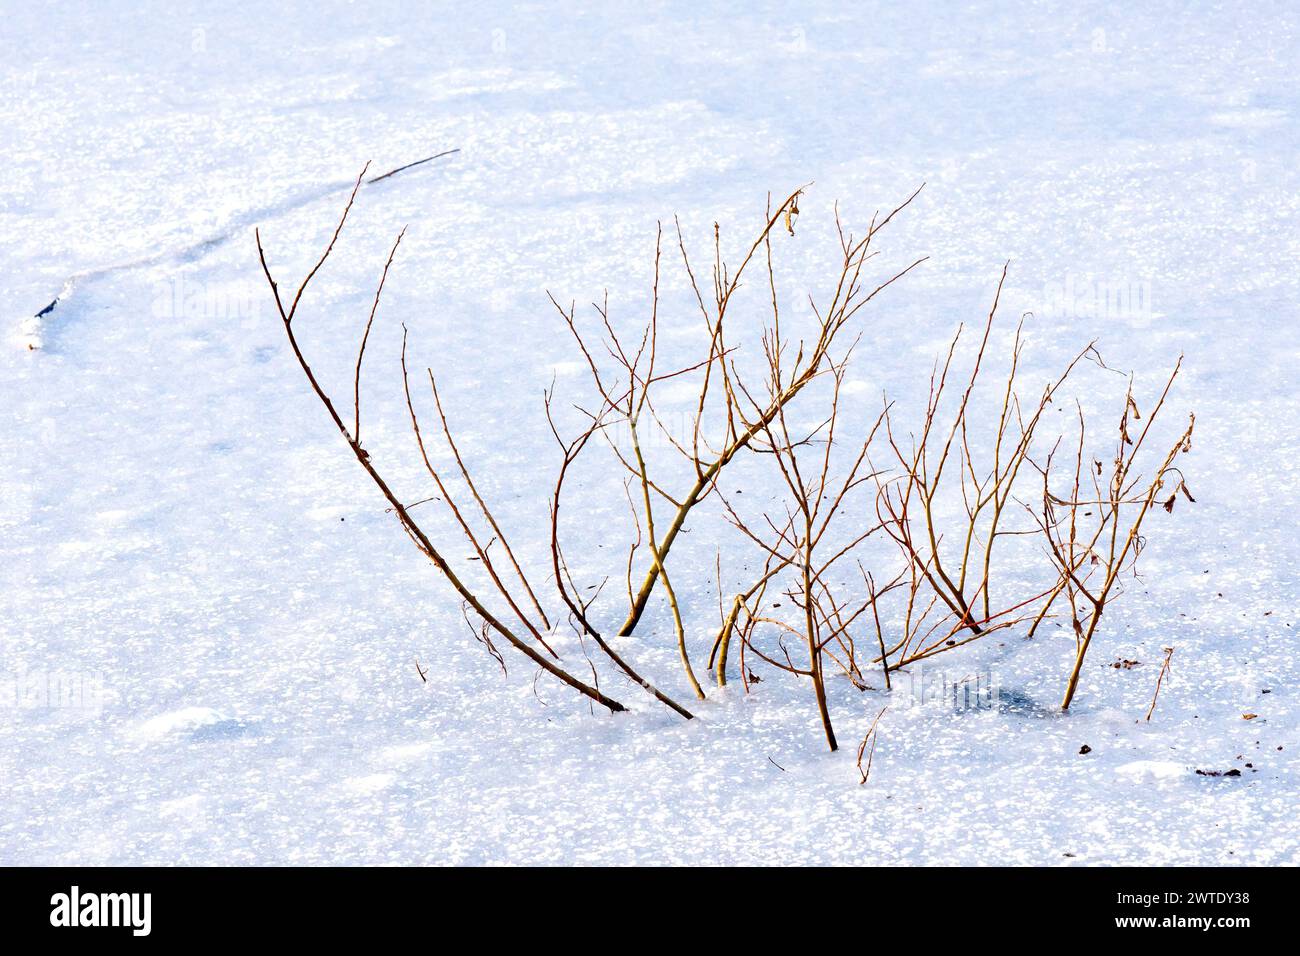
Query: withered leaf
[
  {"x": 1169, "y": 505},
  {"x": 1249, "y": 716},
  {"x": 1182, "y": 486}
]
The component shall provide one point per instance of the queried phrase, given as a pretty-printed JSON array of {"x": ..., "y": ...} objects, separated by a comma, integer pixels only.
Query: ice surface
[{"x": 187, "y": 545}]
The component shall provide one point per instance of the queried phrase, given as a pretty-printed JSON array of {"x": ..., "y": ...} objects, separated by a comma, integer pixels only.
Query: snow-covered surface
[{"x": 187, "y": 542}]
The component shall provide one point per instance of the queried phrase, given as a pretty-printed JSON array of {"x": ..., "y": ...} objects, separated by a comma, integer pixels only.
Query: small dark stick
[{"x": 418, "y": 162}]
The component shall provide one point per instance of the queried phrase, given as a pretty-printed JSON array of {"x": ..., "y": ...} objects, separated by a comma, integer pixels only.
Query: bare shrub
[
  {"x": 1093, "y": 529},
  {"x": 731, "y": 414},
  {"x": 938, "y": 574},
  {"x": 950, "y": 587},
  {"x": 543, "y": 657}
]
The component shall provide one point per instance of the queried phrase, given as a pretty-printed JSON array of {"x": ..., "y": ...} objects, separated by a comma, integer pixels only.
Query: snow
[
  {"x": 188, "y": 547},
  {"x": 192, "y": 719}
]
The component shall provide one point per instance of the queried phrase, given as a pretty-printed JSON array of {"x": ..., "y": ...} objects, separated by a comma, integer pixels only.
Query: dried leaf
[
  {"x": 1249, "y": 716},
  {"x": 1182, "y": 486},
  {"x": 791, "y": 213},
  {"x": 1169, "y": 505}
]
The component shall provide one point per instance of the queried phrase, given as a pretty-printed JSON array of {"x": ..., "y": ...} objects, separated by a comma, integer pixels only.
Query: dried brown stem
[{"x": 1160, "y": 678}]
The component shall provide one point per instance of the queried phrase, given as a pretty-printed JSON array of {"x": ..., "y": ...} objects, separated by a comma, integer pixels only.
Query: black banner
[{"x": 303, "y": 905}]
